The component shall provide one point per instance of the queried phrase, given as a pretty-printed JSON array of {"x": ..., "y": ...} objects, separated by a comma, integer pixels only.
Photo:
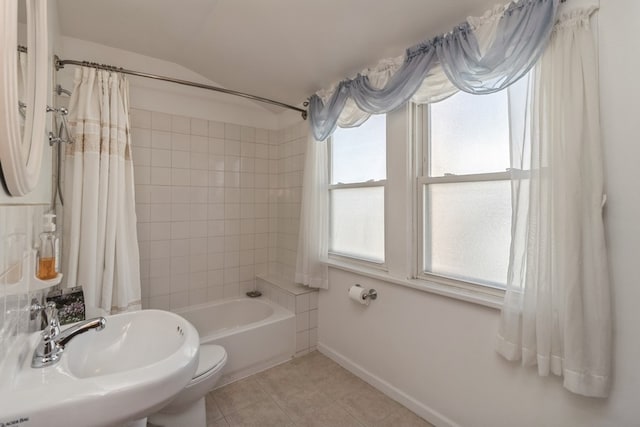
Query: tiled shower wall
[{"x": 207, "y": 206}]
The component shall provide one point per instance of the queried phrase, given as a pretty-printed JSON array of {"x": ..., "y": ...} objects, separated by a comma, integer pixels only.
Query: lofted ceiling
[{"x": 280, "y": 49}]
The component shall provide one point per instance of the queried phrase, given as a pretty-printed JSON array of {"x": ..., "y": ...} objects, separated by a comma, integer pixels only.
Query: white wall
[{"x": 436, "y": 354}]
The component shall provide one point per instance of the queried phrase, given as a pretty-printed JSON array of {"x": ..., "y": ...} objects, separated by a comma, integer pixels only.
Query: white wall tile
[
  {"x": 216, "y": 146},
  {"x": 180, "y": 282},
  {"x": 180, "y": 159},
  {"x": 160, "y": 212},
  {"x": 199, "y": 144},
  {"x": 313, "y": 300},
  {"x": 215, "y": 293},
  {"x": 302, "y": 341},
  {"x": 159, "y": 194},
  {"x": 313, "y": 318},
  {"x": 203, "y": 194},
  {"x": 160, "y": 249},
  {"x": 302, "y": 303},
  {"x": 313, "y": 338},
  {"x": 140, "y": 118},
  {"x": 198, "y": 280},
  {"x": 180, "y": 247},
  {"x": 160, "y": 176},
  {"x": 160, "y": 302},
  {"x": 160, "y": 140},
  {"x": 180, "y": 142},
  {"x": 199, "y": 127},
  {"x": 159, "y": 285},
  {"x": 180, "y": 124},
  {"x": 216, "y": 129},
  {"x": 231, "y": 290},
  {"x": 197, "y": 296},
  {"x": 181, "y": 177},
  {"x": 179, "y": 300},
  {"x": 180, "y": 193},
  {"x": 302, "y": 322},
  {"x": 232, "y": 131},
  {"x": 160, "y": 121}
]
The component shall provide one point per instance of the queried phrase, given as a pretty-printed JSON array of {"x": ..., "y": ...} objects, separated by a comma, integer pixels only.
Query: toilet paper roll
[{"x": 357, "y": 293}]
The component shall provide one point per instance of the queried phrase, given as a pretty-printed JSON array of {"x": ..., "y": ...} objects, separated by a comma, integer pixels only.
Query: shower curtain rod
[{"x": 60, "y": 63}]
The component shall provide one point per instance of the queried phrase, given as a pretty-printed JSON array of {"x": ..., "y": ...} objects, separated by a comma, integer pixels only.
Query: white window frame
[
  {"x": 350, "y": 259},
  {"x": 422, "y": 145},
  {"x": 402, "y": 220}
]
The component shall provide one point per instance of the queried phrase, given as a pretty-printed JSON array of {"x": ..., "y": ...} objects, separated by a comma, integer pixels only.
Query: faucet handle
[
  {"x": 49, "y": 309},
  {"x": 50, "y": 313}
]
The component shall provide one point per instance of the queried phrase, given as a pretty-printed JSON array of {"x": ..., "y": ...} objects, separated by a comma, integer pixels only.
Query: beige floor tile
[
  {"x": 238, "y": 395},
  {"x": 281, "y": 381},
  {"x": 341, "y": 383},
  {"x": 330, "y": 416},
  {"x": 221, "y": 422},
  {"x": 301, "y": 405},
  {"x": 315, "y": 367},
  {"x": 213, "y": 412},
  {"x": 309, "y": 391},
  {"x": 368, "y": 405},
  {"x": 265, "y": 413},
  {"x": 403, "y": 417}
]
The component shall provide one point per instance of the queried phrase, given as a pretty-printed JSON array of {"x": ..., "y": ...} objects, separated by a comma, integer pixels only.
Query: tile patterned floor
[{"x": 307, "y": 391}]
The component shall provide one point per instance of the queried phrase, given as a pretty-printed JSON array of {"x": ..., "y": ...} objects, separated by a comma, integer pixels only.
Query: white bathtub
[{"x": 256, "y": 333}]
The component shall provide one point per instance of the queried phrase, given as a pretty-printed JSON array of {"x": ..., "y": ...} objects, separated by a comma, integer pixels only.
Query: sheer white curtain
[
  {"x": 313, "y": 238},
  {"x": 556, "y": 313},
  {"x": 100, "y": 238}
]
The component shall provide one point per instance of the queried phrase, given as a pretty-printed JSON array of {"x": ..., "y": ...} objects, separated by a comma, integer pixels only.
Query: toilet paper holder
[{"x": 371, "y": 293}]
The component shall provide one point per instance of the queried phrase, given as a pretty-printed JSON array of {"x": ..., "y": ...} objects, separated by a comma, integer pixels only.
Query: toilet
[{"x": 188, "y": 408}]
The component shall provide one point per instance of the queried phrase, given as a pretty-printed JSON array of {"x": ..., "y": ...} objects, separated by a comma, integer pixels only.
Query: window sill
[{"x": 490, "y": 298}]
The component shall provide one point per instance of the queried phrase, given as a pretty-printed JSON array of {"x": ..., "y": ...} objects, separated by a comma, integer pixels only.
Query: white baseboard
[{"x": 432, "y": 416}]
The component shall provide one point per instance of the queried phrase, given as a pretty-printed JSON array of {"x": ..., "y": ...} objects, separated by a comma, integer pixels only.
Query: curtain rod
[{"x": 60, "y": 63}]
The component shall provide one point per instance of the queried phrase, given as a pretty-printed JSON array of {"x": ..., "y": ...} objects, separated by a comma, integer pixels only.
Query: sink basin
[{"x": 127, "y": 371}]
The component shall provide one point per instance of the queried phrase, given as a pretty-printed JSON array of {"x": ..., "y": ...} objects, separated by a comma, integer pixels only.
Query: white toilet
[{"x": 188, "y": 408}]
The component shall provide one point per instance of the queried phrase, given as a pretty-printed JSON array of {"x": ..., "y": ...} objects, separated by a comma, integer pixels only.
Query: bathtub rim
[{"x": 279, "y": 313}]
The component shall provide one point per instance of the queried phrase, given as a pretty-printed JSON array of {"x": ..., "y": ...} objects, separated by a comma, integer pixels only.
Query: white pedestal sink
[{"x": 127, "y": 371}]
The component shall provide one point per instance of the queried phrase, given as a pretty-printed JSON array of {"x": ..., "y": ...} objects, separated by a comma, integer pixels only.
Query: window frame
[
  {"x": 421, "y": 146},
  {"x": 352, "y": 259}
]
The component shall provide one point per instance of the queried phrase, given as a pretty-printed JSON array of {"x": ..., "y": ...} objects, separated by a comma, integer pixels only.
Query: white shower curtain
[
  {"x": 100, "y": 238},
  {"x": 556, "y": 312}
]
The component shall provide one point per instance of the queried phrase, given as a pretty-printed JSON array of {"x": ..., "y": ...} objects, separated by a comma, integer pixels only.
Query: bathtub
[{"x": 256, "y": 333}]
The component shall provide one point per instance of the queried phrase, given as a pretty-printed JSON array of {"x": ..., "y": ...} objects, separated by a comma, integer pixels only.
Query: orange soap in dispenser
[{"x": 48, "y": 256}]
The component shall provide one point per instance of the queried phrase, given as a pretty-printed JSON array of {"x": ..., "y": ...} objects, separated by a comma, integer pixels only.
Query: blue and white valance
[{"x": 482, "y": 55}]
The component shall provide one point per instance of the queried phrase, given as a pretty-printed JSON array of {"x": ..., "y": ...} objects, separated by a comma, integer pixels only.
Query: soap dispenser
[{"x": 48, "y": 256}]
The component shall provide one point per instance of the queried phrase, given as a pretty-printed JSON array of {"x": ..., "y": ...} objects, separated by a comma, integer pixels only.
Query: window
[
  {"x": 357, "y": 177},
  {"x": 464, "y": 189}
]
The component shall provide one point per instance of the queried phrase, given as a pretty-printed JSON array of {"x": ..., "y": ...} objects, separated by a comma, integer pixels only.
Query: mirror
[{"x": 23, "y": 118}]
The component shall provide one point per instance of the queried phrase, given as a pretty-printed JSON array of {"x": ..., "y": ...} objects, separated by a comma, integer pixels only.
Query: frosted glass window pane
[
  {"x": 360, "y": 154},
  {"x": 357, "y": 223},
  {"x": 468, "y": 230},
  {"x": 469, "y": 134}
]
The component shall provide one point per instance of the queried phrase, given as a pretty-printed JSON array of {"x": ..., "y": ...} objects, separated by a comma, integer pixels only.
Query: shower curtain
[{"x": 100, "y": 238}]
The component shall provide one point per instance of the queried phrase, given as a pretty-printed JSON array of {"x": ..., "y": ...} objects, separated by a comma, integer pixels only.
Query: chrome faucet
[{"x": 53, "y": 341}]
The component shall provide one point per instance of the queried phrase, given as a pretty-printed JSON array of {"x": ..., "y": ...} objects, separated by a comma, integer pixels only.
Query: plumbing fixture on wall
[{"x": 362, "y": 295}]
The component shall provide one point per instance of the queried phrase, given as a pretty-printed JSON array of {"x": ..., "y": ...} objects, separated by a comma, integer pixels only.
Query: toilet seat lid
[{"x": 211, "y": 355}]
